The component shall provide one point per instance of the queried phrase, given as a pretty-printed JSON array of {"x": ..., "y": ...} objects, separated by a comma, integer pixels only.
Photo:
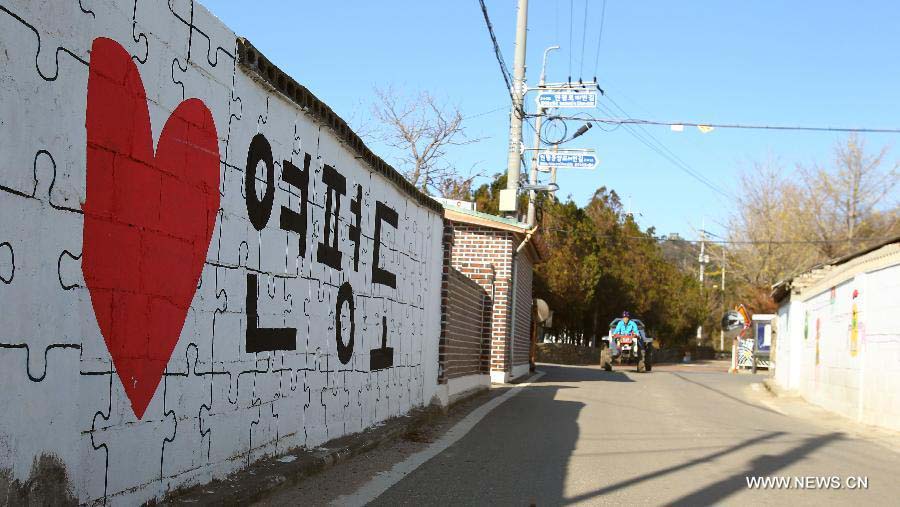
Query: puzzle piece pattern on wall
[{"x": 316, "y": 310}]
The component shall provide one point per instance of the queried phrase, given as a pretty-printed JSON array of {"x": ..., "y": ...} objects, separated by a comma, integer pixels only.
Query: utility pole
[
  {"x": 703, "y": 260},
  {"x": 722, "y": 331},
  {"x": 553, "y": 170},
  {"x": 513, "y": 162},
  {"x": 702, "y": 255},
  {"x": 532, "y": 177}
]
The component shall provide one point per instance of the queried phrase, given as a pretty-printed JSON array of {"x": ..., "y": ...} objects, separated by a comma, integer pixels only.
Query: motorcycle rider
[{"x": 626, "y": 327}]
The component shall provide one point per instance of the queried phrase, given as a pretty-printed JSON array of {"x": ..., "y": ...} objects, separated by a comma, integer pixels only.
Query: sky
[{"x": 817, "y": 63}]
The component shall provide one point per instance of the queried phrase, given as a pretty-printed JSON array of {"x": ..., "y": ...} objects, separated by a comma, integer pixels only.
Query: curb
[
  {"x": 775, "y": 389},
  {"x": 255, "y": 482}
]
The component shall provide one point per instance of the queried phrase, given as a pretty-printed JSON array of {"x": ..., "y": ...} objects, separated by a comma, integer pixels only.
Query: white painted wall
[
  {"x": 866, "y": 385},
  {"x": 462, "y": 385},
  {"x": 216, "y": 407}
]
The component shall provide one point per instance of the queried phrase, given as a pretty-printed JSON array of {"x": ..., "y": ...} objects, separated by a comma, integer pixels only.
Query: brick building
[{"x": 498, "y": 254}]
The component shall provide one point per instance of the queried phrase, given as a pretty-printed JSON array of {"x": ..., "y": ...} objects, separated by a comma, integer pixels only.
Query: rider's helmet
[{"x": 626, "y": 315}]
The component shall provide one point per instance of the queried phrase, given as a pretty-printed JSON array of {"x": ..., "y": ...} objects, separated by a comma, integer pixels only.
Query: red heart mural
[{"x": 148, "y": 218}]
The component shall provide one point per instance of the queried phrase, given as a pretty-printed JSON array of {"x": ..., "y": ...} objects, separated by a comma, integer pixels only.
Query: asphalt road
[{"x": 676, "y": 436}]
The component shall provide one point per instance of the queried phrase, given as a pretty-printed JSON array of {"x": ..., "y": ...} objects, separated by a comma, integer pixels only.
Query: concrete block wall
[
  {"x": 839, "y": 345},
  {"x": 880, "y": 387},
  {"x": 201, "y": 265}
]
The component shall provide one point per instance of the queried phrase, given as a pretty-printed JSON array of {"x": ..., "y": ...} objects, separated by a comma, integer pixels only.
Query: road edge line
[{"x": 383, "y": 481}]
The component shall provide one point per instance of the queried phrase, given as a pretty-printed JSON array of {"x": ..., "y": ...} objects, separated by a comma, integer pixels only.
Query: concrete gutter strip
[
  {"x": 257, "y": 481},
  {"x": 777, "y": 390}
]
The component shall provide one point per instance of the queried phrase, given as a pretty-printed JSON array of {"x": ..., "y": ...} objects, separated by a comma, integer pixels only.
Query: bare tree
[
  {"x": 785, "y": 223},
  {"x": 851, "y": 201},
  {"x": 422, "y": 130},
  {"x": 768, "y": 226}
]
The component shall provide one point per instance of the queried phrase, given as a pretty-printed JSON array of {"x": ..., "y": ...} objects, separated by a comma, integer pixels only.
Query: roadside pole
[
  {"x": 532, "y": 177},
  {"x": 703, "y": 260},
  {"x": 722, "y": 331},
  {"x": 513, "y": 162}
]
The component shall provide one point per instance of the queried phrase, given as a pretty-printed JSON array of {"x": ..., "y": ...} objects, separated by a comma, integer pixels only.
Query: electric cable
[
  {"x": 806, "y": 128},
  {"x": 507, "y": 77},
  {"x": 569, "y": 49},
  {"x": 599, "y": 39},
  {"x": 583, "y": 39}
]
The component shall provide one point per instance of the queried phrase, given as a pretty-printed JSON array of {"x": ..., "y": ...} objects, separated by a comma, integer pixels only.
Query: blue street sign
[
  {"x": 583, "y": 99},
  {"x": 578, "y": 159}
]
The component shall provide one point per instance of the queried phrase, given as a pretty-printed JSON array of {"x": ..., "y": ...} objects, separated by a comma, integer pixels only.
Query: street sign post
[
  {"x": 567, "y": 98},
  {"x": 569, "y": 159}
]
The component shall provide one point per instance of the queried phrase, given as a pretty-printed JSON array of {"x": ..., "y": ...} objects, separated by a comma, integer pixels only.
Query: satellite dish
[
  {"x": 732, "y": 324},
  {"x": 542, "y": 310}
]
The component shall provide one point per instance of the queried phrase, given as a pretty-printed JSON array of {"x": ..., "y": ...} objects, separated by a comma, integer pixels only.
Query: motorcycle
[{"x": 626, "y": 348}]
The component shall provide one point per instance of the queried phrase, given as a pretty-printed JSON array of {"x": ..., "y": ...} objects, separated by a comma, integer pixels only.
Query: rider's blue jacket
[{"x": 623, "y": 328}]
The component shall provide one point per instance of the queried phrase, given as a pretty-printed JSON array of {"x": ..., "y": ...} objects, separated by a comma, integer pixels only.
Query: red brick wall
[{"x": 485, "y": 255}]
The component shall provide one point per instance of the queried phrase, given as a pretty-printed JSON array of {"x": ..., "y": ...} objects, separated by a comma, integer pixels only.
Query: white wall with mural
[
  {"x": 838, "y": 340},
  {"x": 200, "y": 264}
]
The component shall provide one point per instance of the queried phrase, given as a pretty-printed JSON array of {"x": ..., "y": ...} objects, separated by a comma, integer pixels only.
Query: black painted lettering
[
  {"x": 383, "y": 357},
  {"x": 259, "y": 211},
  {"x": 383, "y": 213},
  {"x": 356, "y": 229},
  {"x": 261, "y": 339},
  {"x": 328, "y": 252},
  {"x": 345, "y": 296},
  {"x": 290, "y": 219}
]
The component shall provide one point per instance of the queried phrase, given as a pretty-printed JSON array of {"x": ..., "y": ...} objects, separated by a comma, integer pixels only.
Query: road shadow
[
  {"x": 530, "y": 437},
  {"x": 568, "y": 373},
  {"x": 672, "y": 469},
  {"x": 762, "y": 466},
  {"x": 713, "y": 494},
  {"x": 726, "y": 395}
]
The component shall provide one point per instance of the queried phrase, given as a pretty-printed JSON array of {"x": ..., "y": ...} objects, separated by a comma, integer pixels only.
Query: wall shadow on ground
[
  {"x": 473, "y": 470},
  {"x": 565, "y": 373},
  {"x": 715, "y": 493},
  {"x": 726, "y": 395}
]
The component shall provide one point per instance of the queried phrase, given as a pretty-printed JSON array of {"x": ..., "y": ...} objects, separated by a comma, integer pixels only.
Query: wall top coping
[{"x": 831, "y": 274}]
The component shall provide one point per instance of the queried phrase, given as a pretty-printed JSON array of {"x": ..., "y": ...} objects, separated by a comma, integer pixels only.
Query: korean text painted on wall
[{"x": 198, "y": 269}]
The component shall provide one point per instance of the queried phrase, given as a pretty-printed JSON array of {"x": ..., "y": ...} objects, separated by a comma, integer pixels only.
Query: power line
[
  {"x": 507, "y": 78},
  {"x": 646, "y": 138},
  {"x": 583, "y": 38},
  {"x": 776, "y": 241},
  {"x": 599, "y": 38},
  {"x": 659, "y": 150},
  {"x": 636, "y": 121},
  {"x": 485, "y": 113},
  {"x": 571, "y": 20},
  {"x": 680, "y": 163},
  {"x": 737, "y": 242}
]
